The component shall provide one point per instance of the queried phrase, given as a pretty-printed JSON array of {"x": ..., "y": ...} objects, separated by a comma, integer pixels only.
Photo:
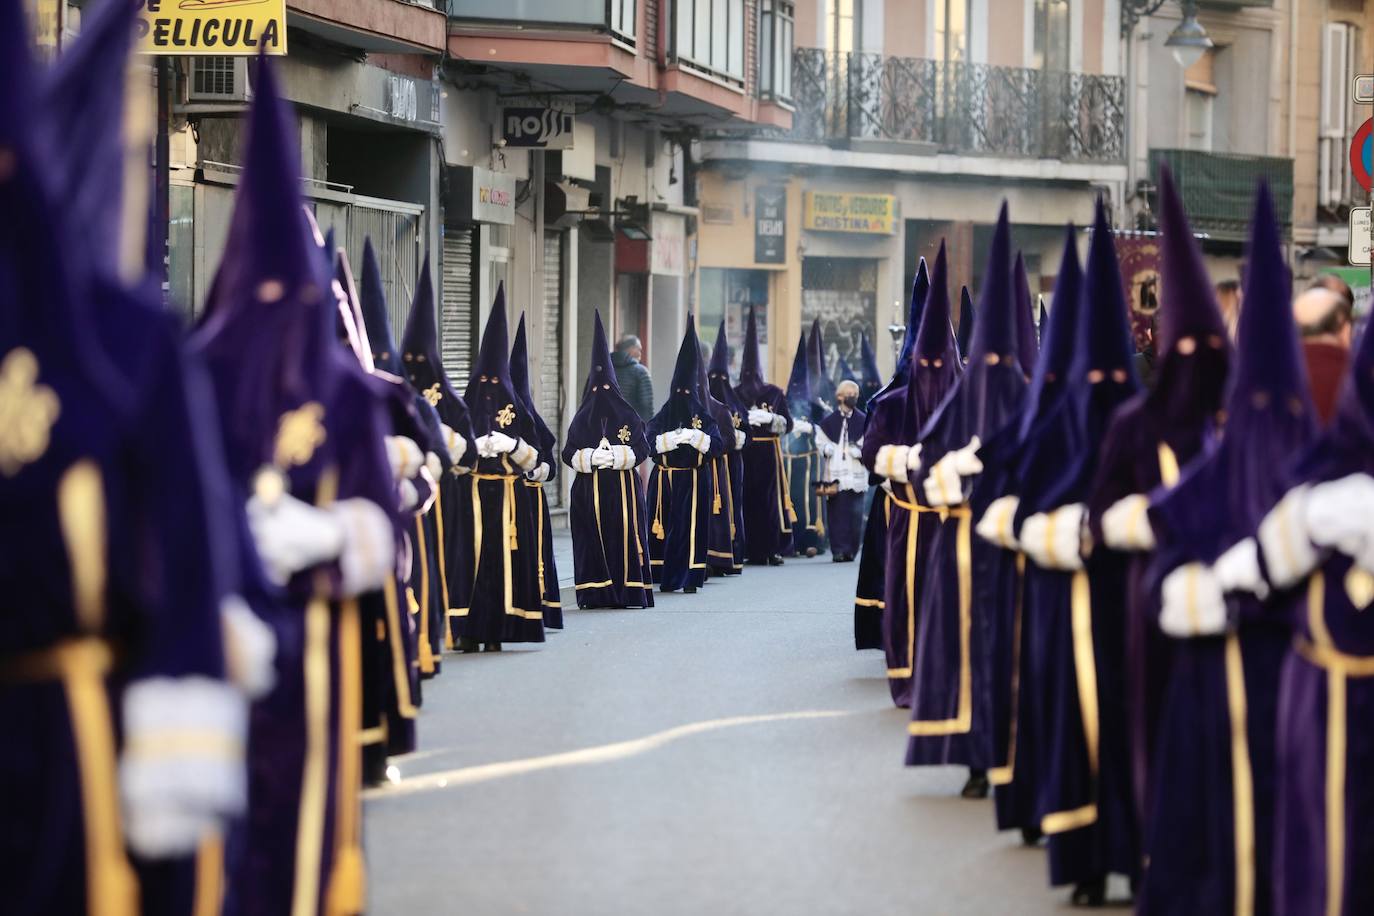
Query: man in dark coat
[{"x": 633, "y": 378}]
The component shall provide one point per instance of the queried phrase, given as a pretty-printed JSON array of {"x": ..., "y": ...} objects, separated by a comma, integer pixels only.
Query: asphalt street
[{"x": 722, "y": 753}]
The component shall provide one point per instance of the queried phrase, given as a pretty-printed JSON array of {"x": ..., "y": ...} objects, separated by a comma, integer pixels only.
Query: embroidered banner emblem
[
  {"x": 299, "y": 433},
  {"x": 505, "y": 416}
]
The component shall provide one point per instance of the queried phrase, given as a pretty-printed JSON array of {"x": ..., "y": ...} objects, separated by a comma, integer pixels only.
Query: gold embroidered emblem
[
  {"x": 1359, "y": 586},
  {"x": 27, "y": 411},
  {"x": 505, "y": 416},
  {"x": 299, "y": 433},
  {"x": 736, "y": 419},
  {"x": 696, "y": 422},
  {"x": 624, "y": 434},
  {"x": 433, "y": 394}
]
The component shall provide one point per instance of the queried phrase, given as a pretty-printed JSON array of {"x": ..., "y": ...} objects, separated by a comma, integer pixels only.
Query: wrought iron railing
[{"x": 956, "y": 107}]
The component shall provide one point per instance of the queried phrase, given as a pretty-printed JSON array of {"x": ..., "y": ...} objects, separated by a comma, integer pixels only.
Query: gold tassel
[
  {"x": 715, "y": 486},
  {"x": 346, "y": 884},
  {"x": 658, "y": 531}
]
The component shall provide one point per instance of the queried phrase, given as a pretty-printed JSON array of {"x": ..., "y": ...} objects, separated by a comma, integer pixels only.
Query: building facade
[{"x": 912, "y": 121}]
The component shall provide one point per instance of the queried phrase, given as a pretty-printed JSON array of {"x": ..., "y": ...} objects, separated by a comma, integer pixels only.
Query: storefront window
[
  {"x": 728, "y": 294},
  {"x": 710, "y": 34},
  {"x": 775, "y": 49},
  {"x": 843, "y": 294}
]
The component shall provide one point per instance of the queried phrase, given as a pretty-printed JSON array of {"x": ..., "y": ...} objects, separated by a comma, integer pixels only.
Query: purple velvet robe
[
  {"x": 538, "y": 504},
  {"x": 768, "y": 511},
  {"x": 718, "y": 379}
]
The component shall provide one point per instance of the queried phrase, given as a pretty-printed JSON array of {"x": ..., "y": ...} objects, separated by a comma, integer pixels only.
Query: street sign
[
  {"x": 1364, "y": 89},
  {"x": 537, "y": 126},
  {"x": 218, "y": 27},
  {"x": 1361, "y": 147},
  {"x": 1359, "y": 237}
]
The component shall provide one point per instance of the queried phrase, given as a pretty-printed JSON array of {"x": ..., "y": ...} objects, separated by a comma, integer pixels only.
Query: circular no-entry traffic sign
[{"x": 1362, "y": 154}]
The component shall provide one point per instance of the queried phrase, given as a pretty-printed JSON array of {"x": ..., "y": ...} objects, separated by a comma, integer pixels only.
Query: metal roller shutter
[
  {"x": 456, "y": 328},
  {"x": 548, "y": 397}
]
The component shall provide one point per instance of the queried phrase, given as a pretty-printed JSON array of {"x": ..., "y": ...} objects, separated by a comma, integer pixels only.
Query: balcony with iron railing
[
  {"x": 955, "y": 107},
  {"x": 1218, "y": 189}
]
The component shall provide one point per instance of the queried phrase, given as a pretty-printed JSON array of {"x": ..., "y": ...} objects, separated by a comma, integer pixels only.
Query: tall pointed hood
[
  {"x": 82, "y": 136},
  {"x": 752, "y": 388},
  {"x": 420, "y": 346},
  {"x": 843, "y": 371},
  {"x": 520, "y": 382},
  {"x": 920, "y": 289},
  {"x": 822, "y": 390},
  {"x": 268, "y": 334},
  {"x": 1188, "y": 306},
  {"x": 1103, "y": 368},
  {"x": 718, "y": 377},
  {"x": 372, "y": 301},
  {"x": 719, "y": 410},
  {"x": 996, "y": 332},
  {"x": 966, "y": 322},
  {"x": 935, "y": 367},
  {"x": 799, "y": 382},
  {"x": 1027, "y": 344},
  {"x": 1058, "y": 336},
  {"x": 604, "y": 410},
  {"x": 684, "y": 405},
  {"x": 490, "y": 395}
]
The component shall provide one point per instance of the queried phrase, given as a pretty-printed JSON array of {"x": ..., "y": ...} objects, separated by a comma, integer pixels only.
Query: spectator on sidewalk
[
  {"x": 1324, "y": 318},
  {"x": 632, "y": 377}
]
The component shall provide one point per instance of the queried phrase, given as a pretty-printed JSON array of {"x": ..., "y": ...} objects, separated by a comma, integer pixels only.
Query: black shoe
[
  {"x": 493, "y": 647},
  {"x": 689, "y": 590},
  {"x": 775, "y": 560},
  {"x": 1090, "y": 893},
  {"x": 811, "y": 552},
  {"x": 977, "y": 785},
  {"x": 468, "y": 644},
  {"x": 1031, "y": 836}
]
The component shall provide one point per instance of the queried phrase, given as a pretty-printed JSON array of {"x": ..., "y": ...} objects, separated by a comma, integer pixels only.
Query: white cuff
[
  {"x": 996, "y": 525},
  {"x": 1238, "y": 569},
  {"x": 540, "y": 473},
  {"x": 665, "y": 443},
  {"x": 740, "y": 439},
  {"x": 524, "y": 455},
  {"x": 699, "y": 440},
  {"x": 778, "y": 424},
  {"x": 457, "y": 446},
  {"x": 292, "y": 535},
  {"x": 181, "y": 770},
  {"x": 1288, "y": 554},
  {"x": 582, "y": 460},
  {"x": 1340, "y": 514},
  {"x": 624, "y": 457},
  {"x": 434, "y": 465},
  {"x": 250, "y": 648},
  {"x": 1126, "y": 524},
  {"x": 760, "y": 417},
  {"x": 1054, "y": 540},
  {"x": 369, "y": 546},
  {"x": 943, "y": 485},
  {"x": 404, "y": 456},
  {"x": 891, "y": 462},
  {"x": 1192, "y": 603},
  {"x": 408, "y": 497}
]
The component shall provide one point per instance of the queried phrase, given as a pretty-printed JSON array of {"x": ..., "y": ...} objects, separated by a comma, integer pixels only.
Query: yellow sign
[
  {"x": 219, "y": 27},
  {"x": 875, "y": 214}
]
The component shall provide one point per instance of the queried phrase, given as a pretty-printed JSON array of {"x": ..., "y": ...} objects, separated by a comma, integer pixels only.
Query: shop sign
[
  {"x": 537, "y": 127},
  {"x": 478, "y": 195},
  {"x": 219, "y": 27},
  {"x": 667, "y": 249},
  {"x": 770, "y": 224},
  {"x": 872, "y": 214}
]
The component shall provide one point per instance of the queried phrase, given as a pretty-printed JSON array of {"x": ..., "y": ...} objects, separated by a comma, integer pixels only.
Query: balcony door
[{"x": 951, "y": 30}]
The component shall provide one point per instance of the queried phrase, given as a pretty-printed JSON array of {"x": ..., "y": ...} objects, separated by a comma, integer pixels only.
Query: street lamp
[{"x": 1188, "y": 42}]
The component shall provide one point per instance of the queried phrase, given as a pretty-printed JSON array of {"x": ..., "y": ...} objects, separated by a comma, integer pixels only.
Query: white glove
[
  {"x": 603, "y": 457},
  {"x": 408, "y": 496},
  {"x": 803, "y": 427},
  {"x": 404, "y": 456},
  {"x": 1054, "y": 540},
  {"x": 966, "y": 459},
  {"x": 894, "y": 461},
  {"x": 665, "y": 442},
  {"x": 501, "y": 444},
  {"x": 292, "y": 535},
  {"x": 740, "y": 439},
  {"x": 1288, "y": 554},
  {"x": 250, "y": 648},
  {"x": 1340, "y": 514},
  {"x": 1238, "y": 569},
  {"x": 540, "y": 472},
  {"x": 457, "y": 446},
  {"x": 583, "y": 460},
  {"x": 181, "y": 770},
  {"x": 697, "y": 439},
  {"x": 368, "y": 555},
  {"x": 995, "y": 526},
  {"x": 1126, "y": 524},
  {"x": 778, "y": 424},
  {"x": 760, "y": 417},
  {"x": 1193, "y": 603},
  {"x": 943, "y": 485}
]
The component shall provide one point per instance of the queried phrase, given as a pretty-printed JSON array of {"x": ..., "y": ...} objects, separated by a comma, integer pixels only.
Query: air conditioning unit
[{"x": 218, "y": 79}]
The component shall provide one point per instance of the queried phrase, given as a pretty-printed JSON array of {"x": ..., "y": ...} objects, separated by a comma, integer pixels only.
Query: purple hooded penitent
[
  {"x": 768, "y": 511},
  {"x": 1027, "y": 342},
  {"x": 718, "y": 376},
  {"x": 1153, "y": 436},
  {"x": 1071, "y": 783},
  {"x": 870, "y": 379},
  {"x": 609, "y": 532},
  {"x": 951, "y": 715},
  {"x": 720, "y": 555},
  {"x": 680, "y": 485},
  {"x": 800, "y": 462},
  {"x": 547, "y": 444},
  {"x": 1196, "y": 815}
]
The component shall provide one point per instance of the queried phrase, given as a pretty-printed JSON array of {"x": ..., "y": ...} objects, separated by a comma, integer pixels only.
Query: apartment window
[
  {"x": 623, "y": 19},
  {"x": 710, "y": 35},
  {"x": 951, "y": 30},
  {"x": 1200, "y": 90},
  {"x": 1338, "y": 120},
  {"x": 775, "y": 49},
  {"x": 1050, "y": 47},
  {"x": 842, "y": 24}
]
